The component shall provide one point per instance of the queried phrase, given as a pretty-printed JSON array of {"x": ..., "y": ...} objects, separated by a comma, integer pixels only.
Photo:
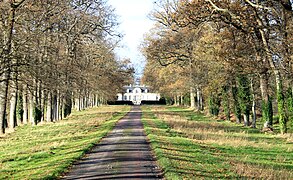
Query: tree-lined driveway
[{"x": 123, "y": 154}]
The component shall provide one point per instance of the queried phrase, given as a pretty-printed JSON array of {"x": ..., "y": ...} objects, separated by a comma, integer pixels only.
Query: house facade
[{"x": 137, "y": 93}]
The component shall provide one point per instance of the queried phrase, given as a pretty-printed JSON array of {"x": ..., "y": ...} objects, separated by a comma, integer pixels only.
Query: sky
[{"x": 134, "y": 23}]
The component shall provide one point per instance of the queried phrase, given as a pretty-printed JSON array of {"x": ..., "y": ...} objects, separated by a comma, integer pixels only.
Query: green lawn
[
  {"x": 191, "y": 146},
  {"x": 46, "y": 151}
]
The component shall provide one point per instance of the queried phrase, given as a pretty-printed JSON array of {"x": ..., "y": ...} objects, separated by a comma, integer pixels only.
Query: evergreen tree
[{"x": 244, "y": 97}]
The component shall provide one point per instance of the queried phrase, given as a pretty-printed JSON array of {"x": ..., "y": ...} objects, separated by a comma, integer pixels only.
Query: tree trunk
[
  {"x": 54, "y": 108},
  {"x": 67, "y": 105},
  {"x": 77, "y": 104},
  {"x": 36, "y": 97},
  {"x": 24, "y": 102},
  {"x": 175, "y": 100},
  {"x": 84, "y": 102},
  {"x": 281, "y": 103},
  {"x": 99, "y": 100},
  {"x": 226, "y": 102},
  {"x": 201, "y": 102},
  {"x": 42, "y": 106},
  {"x": 192, "y": 98},
  {"x": 19, "y": 108},
  {"x": 94, "y": 100},
  {"x": 198, "y": 99},
  {"x": 64, "y": 113},
  {"x": 13, "y": 103},
  {"x": 81, "y": 102},
  {"x": 87, "y": 101},
  {"x": 57, "y": 106},
  {"x": 253, "y": 108},
  {"x": 49, "y": 107},
  {"x": 90, "y": 100},
  {"x": 246, "y": 119},
  {"x": 73, "y": 100},
  {"x": 61, "y": 107},
  {"x": 236, "y": 105},
  {"x": 3, "y": 101},
  {"x": 266, "y": 115},
  {"x": 32, "y": 108}
]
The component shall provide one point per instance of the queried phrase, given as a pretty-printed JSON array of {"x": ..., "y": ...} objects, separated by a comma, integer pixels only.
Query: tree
[
  {"x": 55, "y": 52},
  {"x": 254, "y": 39},
  {"x": 7, "y": 20},
  {"x": 244, "y": 96}
]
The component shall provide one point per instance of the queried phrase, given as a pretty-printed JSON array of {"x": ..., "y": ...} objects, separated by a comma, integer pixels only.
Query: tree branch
[
  {"x": 15, "y": 4},
  {"x": 221, "y": 9},
  {"x": 257, "y": 5}
]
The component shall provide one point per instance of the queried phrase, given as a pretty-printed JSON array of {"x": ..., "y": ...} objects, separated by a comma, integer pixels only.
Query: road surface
[{"x": 123, "y": 154}]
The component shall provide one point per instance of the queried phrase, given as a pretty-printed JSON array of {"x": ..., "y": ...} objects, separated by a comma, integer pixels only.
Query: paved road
[{"x": 123, "y": 154}]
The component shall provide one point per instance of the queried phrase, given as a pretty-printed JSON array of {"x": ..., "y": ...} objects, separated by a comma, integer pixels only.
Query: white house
[{"x": 136, "y": 94}]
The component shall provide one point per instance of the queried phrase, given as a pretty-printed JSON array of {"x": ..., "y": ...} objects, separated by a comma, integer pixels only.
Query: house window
[
  {"x": 125, "y": 97},
  {"x": 130, "y": 91}
]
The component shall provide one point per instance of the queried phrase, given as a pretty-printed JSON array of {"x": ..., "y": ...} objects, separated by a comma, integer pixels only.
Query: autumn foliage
[{"x": 243, "y": 46}]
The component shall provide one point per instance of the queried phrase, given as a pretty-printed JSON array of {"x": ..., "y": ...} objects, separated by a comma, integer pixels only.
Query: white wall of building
[{"x": 136, "y": 95}]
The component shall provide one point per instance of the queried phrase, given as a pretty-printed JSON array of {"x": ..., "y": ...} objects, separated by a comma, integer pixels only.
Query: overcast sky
[{"x": 134, "y": 24}]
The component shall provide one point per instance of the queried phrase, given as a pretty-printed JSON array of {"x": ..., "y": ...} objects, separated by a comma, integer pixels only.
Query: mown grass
[
  {"x": 46, "y": 151},
  {"x": 191, "y": 146}
]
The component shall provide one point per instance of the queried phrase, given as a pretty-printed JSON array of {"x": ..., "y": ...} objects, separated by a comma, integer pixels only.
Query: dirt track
[{"x": 123, "y": 154}]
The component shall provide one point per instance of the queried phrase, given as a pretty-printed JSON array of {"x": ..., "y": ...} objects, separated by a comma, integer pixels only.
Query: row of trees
[
  {"x": 56, "y": 55},
  {"x": 235, "y": 56}
]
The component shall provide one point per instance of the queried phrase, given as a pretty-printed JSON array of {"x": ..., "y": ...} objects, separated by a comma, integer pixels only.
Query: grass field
[
  {"x": 46, "y": 151},
  {"x": 191, "y": 146}
]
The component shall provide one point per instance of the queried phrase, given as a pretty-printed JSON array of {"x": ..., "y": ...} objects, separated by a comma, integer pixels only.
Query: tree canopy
[
  {"x": 241, "y": 47},
  {"x": 56, "y": 55}
]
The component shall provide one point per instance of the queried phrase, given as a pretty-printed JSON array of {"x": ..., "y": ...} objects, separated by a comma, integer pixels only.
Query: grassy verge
[
  {"x": 46, "y": 151},
  {"x": 189, "y": 146}
]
